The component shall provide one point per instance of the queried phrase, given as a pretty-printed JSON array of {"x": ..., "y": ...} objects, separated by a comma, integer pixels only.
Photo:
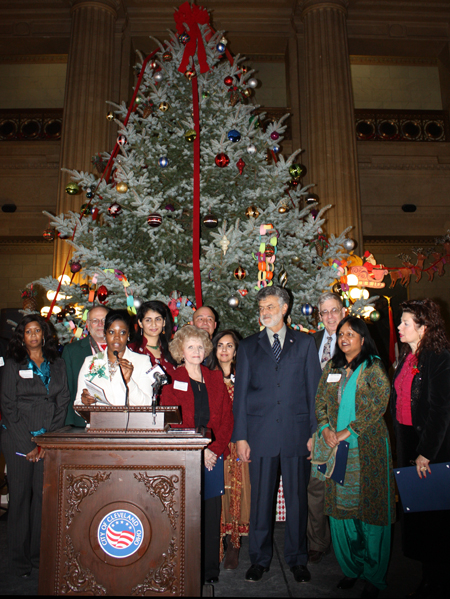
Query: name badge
[
  {"x": 2, "y": 361},
  {"x": 26, "y": 374},
  {"x": 334, "y": 378},
  {"x": 180, "y": 385}
]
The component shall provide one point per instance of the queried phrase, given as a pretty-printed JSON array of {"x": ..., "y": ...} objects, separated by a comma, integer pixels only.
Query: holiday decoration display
[
  {"x": 210, "y": 221},
  {"x": 222, "y": 160},
  {"x": 72, "y": 188},
  {"x": 122, "y": 187},
  {"x": 252, "y": 212},
  {"x": 297, "y": 171},
  {"x": 253, "y": 82},
  {"x": 228, "y": 80},
  {"x": 163, "y": 106},
  {"x": 102, "y": 294},
  {"x": 163, "y": 162},
  {"x": 307, "y": 309},
  {"x": 240, "y": 164},
  {"x": 121, "y": 140},
  {"x": 154, "y": 220},
  {"x": 110, "y": 116},
  {"x": 75, "y": 266},
  {"x": 190, "y": 135},
  {"x": 348, "y": 244},
  {"x": 159, "y": 77},
  {"x": 49, "y": 234},
  {"x": 89, "y": 193},
  {"x": 167, "y": 56},
  {"x": 234, "y": 135},
  {"x": 115, "y": 209},
  {"x": 233, "y": 301},
  {"x": 240, "y": 273}
]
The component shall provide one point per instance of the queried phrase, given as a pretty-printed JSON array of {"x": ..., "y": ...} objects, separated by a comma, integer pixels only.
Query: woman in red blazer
[{"x": 204, "y": 401}]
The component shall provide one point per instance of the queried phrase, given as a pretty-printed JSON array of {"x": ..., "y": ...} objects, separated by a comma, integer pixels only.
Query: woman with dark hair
[
  {"x": 34, "y": 400},
  {"x": 351, "y": 399},
  {"x": 420, "y": 404},
  {"x": 116, "y": 367},
  {"x": 236, "y": 500},
  {"x": 155, "y": 332}
]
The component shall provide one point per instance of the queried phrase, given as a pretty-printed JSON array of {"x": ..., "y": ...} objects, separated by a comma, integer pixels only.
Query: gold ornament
[
  {"x": 224, "y": 244},
  {"x": 122, "y": 187},
  {"x": 163, "y": 106},
  {"x": 110, "y": 116},
  {"x": 190, "y": 135},
  {"x": 167, "y": 57},
  {"x": 296, "y": 260},
  {"x": 240, "y": 273},
  {"x": 283, "y": 208},
  {"x": 283, "y": 277},
  {"x": 247, "y": 92},
  {"x": 252, "y": 212},
  {"x": 189, "y": 74}
]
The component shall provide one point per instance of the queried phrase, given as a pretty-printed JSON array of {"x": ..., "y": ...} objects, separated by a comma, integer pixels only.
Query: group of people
[{"x": 279, "y": 401}]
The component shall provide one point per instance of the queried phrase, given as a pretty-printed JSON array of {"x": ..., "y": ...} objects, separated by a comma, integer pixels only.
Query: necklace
[
  {"x": 152, "y": 346},
  {"x": 112, "y": 366}
]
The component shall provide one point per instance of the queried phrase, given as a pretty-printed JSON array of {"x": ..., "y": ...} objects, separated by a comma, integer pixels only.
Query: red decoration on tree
[
  {"x": 102, "y": 294},
  {"x": 115, "y": 209},
  {"x": 192, "y": 16},
  {"x": 240, "y": 164},
  {"x": 75, "y": 267},
  {"x": 228, "y": 80},
  {"x": 222, "y": 160}
]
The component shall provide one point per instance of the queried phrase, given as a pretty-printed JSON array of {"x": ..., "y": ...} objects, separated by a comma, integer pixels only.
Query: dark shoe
[
  {"x": 370, "y": 591},
  {"x": 301, "y": 573},
  {"x": 314, "y": 557},
  {"x": 231, "y": 561},
  {"x": 346, "y": 583},
  {"x": 255, "y": 573},
  {"x": 212, "y": 580}
]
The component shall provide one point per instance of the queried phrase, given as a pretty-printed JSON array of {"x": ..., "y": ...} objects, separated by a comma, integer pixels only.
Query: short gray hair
[
  {"x": 328, "y": 295},
  {"x": 279, "y": 292}
]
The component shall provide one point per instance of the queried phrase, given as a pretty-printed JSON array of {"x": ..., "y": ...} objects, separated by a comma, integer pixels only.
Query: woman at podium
[
  {"x": 106, "y": 377},
  {"x": 204, "y": 401}
]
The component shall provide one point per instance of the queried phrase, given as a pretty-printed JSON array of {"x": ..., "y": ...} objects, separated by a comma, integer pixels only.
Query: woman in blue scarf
[{"x": 351, "y": 400}]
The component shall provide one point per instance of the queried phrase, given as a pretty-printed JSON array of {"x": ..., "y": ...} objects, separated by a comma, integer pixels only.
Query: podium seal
[{"x": 120, "y": 533}]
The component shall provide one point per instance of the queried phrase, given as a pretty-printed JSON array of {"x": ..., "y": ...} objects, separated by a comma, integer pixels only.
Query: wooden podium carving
[{"x": 121, "y": 510}]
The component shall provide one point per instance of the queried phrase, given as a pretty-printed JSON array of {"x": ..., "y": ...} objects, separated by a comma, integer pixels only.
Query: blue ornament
[
  {"x": 234, "y": 135},
  {"x": 163, "y": 162},
  {"x": 276, "y": 149},
  {"x": 220, "y": 48},
  {"x": 307, "y": 309}
]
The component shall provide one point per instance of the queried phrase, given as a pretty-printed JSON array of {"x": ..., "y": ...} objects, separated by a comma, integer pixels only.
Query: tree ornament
[
  {"x": 163, "y": 162},
  {"x": 297, "y": 171},
  {"x": 169, "y": 207},
  {"x": 337, "y": 288},
  {"x": 233, "y": 301},
  {"x": 247, "y": 92},
  {"x": 75, "y": 266},
  {"x": 154, "y": 220},
  {"x": 307, "y": 309},
  {"x": 296, "y": 260},
  {"x": 122, "y": 187},
  {"x": 110, "y": 116},
  {"x": 167, "y": 56},
  {"x": 220, "y": 48},
  {"x": 311, "y": 198},
  {"x": 314, "y": 213},
  {"x": 62, "y": 235},
  {"x": 85, "y": 209},
  {"x": 190, "y": 74},
  {"x": 89, "y": 193},
  {"x": 147, "y": 111},
  {"x": 138, "y": 100},
  {"x": 276, "y": 148},
  {"x": 60, "y": 317},
  {"x": 234, "y": 135},
  {"x": 234, "y": 97},
  {"x": 240, "y": 273},
  {"x": 252, "y": 82},
  {"x": 84, "y": 289},
  {"x": 205, "y": 94},
  {"x": 153, "y": 64},
  {"x": 228, "y": 80},
  {"x": 293, "y": 183},
  {"x": 115, "y": 209},
  {"x": 240, "y": 164},
  {"x": 348, "y": 245},
  {"x": 283, "y": 207},
  {"x": 251, "y": 149},
  {"x": 69, "y": 310},
  {"x": 244, "y": 69},
  {"x": 102, "y": 293},
  {"x": 211, "y": 221},
  {"x": 274, "y": 135},
  {"x": 252, "y": 212},
  {"x": 159, "y": 77},
  {"x": 190, "y": 135},
  {"x": 138, "y": 301},
  {"x": 375, "y": 316},
  {"x": 183, "y": 38},
  {"x": 319, "y": 248},
  {"x": 269, "y": 251},
  {"x": 254, "y": 120},
  {"x": 223, "y": 40},
  {"x": 222, "y": 160},
  {"x": 283, "y": 277},
  {"x": 163, "y": 106},
  {"x": 72, "y": 188},
  {"x": 49, "y": 234},
  {"x": 224, "y": 244},
  {"x": 121, "y": 140}
]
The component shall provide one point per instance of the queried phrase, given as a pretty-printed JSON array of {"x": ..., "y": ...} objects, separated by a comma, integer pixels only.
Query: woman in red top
[
  {"x": 155, "y": 331},
  {"x": 204, "y": 401}
]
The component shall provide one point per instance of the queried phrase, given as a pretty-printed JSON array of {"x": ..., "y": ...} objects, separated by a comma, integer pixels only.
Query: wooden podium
[{"x": 121, "y": 509}]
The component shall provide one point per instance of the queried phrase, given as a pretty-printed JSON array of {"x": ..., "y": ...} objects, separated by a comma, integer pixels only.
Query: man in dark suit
[
  {"x": 75, "y": 353},
  {"x": 277, "y": 375},
  {"x": 331, "y": 312}
]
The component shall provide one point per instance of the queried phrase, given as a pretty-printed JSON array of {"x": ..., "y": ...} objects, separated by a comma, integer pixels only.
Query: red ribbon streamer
[
  {"x": 196, "y": 205},
  {"x": 189, "y": 18}
]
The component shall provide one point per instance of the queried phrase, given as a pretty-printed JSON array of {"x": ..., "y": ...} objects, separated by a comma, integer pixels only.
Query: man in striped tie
[
  {"x": 331, "y": 312},
  {"x": 277, "y": 373}
]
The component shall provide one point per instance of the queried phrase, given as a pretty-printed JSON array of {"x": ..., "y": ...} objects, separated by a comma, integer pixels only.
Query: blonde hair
[{"x": 185, "y": 333}]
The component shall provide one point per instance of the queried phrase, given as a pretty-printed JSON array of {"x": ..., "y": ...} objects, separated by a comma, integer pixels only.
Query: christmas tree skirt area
[{"x": 403, "y": 575}]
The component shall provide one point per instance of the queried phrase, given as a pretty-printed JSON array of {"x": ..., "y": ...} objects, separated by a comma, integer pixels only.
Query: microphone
[{"x": 116, "y": 354}]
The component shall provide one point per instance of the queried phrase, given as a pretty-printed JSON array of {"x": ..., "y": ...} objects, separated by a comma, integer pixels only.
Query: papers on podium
[
  {"x": 424, "y": 494},
  {"x": 97, "y": 392}
]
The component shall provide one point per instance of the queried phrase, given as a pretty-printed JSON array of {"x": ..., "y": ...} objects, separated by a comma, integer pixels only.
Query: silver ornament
[
  {"x": 251, "y": 149},
  {"x": 252, "y": 82},
  {"x": 159, "y": 77},
  {"x": 233, "y": 301},
  {"x": 348, "y": 244}
]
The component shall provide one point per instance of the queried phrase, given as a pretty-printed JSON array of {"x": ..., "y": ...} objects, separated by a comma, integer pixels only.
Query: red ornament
[
  {"x": 222, "y": 160},
  {"x": 243, "y": 292},
  {"x": 228, "y": 80},
  {"x": 115, "y": 209},
  {"x": 49, "y": 234},
  {"x": 102, "y": 294},
  {"x": 75, "y": 267},
  {"x": 154, "y": 220},
  {"x": 240, "y": 164}
]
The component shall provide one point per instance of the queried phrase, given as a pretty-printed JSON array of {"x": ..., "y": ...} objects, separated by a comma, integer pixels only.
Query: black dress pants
[
  {"x": 25, "y": 482},
  {"x": 211, "y": 510}
]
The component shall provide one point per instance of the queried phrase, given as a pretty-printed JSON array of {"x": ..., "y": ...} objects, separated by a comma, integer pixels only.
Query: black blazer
[
  {"x": 26, "y": 406},
  {"x": 318, "y": 338},
  {"x": 274, "y": 404},
  {"x": 430, "y": 405}
]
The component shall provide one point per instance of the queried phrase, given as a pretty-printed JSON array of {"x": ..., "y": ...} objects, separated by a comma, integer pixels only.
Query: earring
[{"x": 43, "y": 342}]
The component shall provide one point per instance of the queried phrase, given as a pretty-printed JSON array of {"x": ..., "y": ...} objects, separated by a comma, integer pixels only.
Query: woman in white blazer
[{"x": 104, "y": 369}]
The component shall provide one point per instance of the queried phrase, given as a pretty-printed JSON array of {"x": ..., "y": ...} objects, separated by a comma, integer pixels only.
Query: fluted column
[
  {"x": 88, "y": 87},
  {"x": 330, "y": 114}
]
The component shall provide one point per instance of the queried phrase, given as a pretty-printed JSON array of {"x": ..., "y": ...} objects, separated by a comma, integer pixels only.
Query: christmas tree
[{"x": 197, "y": 204}]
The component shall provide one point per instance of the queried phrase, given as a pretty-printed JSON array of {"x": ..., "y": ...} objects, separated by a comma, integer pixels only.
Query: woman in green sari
[{"x": 351, "y": 399}]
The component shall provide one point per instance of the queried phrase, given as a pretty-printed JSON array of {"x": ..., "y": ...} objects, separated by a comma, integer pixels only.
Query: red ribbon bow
[{"x": 189, "y": 18}]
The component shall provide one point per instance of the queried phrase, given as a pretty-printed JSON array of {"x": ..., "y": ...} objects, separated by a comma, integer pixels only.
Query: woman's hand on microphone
[{"x": 127, "y": 369}]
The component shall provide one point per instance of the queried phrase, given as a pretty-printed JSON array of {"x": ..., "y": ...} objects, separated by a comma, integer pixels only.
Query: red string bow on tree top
[{"x": 188, "y": 18}]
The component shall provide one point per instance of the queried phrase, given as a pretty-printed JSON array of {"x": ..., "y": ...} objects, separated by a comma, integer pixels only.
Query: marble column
[
  {"x": 330, "y": 115},
  {"x": 89, "y": 84}
]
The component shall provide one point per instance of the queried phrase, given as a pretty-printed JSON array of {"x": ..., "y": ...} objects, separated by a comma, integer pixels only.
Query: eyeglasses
[
  {"x": 97, "y": 321},
  {"x": 332, "y": 312}
]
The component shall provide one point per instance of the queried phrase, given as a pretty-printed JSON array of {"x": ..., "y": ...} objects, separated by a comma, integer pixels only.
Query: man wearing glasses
[
  {"x": 74, "y": 354},
  {"x": 331, "y": 312}
]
